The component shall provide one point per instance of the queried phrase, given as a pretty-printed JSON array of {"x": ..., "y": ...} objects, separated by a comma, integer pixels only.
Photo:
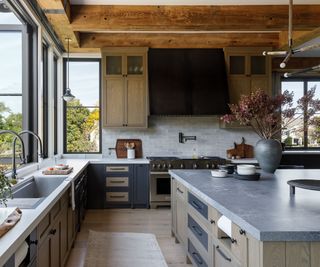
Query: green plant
[{"x": 5, "y": 188}]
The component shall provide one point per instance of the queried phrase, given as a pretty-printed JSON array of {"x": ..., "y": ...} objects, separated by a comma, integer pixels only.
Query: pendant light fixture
[
  {"x": 67, "y": 95},
  {"x": 291, "y": 51}
]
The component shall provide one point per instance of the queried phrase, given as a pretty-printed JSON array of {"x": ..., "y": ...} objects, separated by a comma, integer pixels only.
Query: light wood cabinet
[
  {"x": 248, "y": 70},
  {"x": 179, "y": 212},
  {"x": 125, "y": 91},
  {"x": 181, "y": 205},
  {"x": 53, "y": 234}
]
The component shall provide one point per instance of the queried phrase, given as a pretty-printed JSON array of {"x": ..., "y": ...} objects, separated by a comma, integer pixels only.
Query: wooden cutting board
[
  {"x": 240, "y": 150},
  {"x": 121, "y": 150},
  {"x": 58, "y": 172}
]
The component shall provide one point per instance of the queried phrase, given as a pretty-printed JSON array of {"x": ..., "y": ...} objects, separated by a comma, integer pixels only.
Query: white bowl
[
  {"x": 219, "y": 173},
  {"x": 61, "y": 167},
  {"x": 246, "y": 169}
]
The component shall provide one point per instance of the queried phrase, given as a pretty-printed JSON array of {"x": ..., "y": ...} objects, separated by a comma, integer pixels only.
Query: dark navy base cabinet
[
  {"x": 96, "y": 186},
  {"x": 141, "y": 186},
  {"x": 118, "y": 186}
]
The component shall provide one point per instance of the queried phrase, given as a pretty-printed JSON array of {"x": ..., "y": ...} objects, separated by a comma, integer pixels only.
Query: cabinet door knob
[
  {"x": 53, "y": 231},
  {"x": 33, "y": 242},
  {"x": 212, "y": 221},
  {"x": 242, "y": 232},
  {"x": 233, "y": 241}
]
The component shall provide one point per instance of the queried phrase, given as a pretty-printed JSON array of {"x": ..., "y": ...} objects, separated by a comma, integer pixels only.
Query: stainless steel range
[{"x": 160, "y": 178}]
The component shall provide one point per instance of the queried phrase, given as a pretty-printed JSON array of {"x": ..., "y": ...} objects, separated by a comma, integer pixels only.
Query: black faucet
[
  {"x": 23, "y": 158},
  {"x": 40, "y": 147},
  {"x": 183, "y": 138}
]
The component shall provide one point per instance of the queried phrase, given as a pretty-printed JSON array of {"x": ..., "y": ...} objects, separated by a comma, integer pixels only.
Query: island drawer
[
  {"x": 117, "y": 181},
  {"x": 117, "y": 168},
  {"x": 198, "y": 205},
  {"x": 196, "y": 256},
  {"x": 221, "y": 257},
  {"x": 198, "y": 232}
]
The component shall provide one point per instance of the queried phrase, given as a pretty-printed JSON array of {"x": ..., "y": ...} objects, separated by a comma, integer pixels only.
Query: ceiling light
[{"x": 68, "y": 96}]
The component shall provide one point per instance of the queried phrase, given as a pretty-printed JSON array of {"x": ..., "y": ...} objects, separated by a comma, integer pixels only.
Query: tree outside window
[
  {"x": 298, "y": 134},
  {"x": 82, "y": 115}
]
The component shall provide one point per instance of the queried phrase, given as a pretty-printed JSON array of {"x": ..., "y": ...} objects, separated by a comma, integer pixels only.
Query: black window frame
[
  {"x": 305, "y": 80},
  {"x": 55, "y": 104},
  {"x": 29, "y": 31},
  {"x": 45, "y": 98},
  {"x": 65, "y": 105}
]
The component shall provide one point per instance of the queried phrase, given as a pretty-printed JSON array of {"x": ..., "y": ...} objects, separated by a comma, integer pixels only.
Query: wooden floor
[{"x": 155, "y": 221}]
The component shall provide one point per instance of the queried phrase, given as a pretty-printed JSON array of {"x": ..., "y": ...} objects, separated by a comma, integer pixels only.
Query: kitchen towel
[
  {"x": 21, "y": 254},
  {"x": 73, "y": 202},
  {"x": 225, "y": 225},
  {"x": 9, "y": 218}
]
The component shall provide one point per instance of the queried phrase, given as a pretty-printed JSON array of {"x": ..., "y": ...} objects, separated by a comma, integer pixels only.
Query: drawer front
[
  {"x": 117, "y": 168},
  {"x": 239, "y": 244},
  {"x": 197, "y": 258},
  {"x": 117, "y": 196},
  {"x": 198, "y": 205},
  {"x": 223, "y": 258},
  {"x": 117, "y": 181},
  {"x": 198, "y": 232}
]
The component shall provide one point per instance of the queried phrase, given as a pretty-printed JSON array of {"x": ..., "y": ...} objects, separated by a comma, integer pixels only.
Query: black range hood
[{"x": 187, "y": 82}]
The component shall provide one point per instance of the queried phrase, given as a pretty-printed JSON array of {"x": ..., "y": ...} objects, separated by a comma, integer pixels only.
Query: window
[
  {"x": 298, "y": 135},
  {"x": 82, "y": 129},
  {"x": 45, "y": 119},
  {"x": 55, "y": 104},
  {"x": 17, "y": 86}
]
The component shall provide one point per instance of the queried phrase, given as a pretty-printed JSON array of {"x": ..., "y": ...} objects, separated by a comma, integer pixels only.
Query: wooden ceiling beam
[
  {"x": 90, "y": 18},
  {"x": 171, "y": 40},
  {"x": 58, "y": 13}
]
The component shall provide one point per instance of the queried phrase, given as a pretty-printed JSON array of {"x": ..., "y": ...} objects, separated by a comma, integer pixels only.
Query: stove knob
[
  {"x": 159, "y": 166},
  {"x": 181, "y": 166},
  {"x": 153, "y": 166},
  {"x": 195, "y": 166},
  {"x": 164, "y": 166},
  {"x": 208, "y": 166},
  {"x": 213, "y": 166},
  {"x": 170, "y": 166}
]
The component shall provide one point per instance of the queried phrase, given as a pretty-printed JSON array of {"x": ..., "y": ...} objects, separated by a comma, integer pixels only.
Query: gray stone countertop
[{"x": 263, "y": 208}]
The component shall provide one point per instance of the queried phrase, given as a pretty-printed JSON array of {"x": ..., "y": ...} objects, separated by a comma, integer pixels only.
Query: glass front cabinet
[
  {"x": 125, "y": 87},
  {"x": 248, "y": 70}
]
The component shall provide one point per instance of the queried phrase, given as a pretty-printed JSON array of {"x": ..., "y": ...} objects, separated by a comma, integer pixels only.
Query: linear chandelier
[{"x": 291, "y": 51}]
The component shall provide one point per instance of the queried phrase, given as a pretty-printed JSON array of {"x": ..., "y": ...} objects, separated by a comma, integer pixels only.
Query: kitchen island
[{"x": 270, "y": 227}]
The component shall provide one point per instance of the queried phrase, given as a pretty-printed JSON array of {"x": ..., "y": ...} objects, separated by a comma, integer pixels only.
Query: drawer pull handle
[
  {"x": 197, "y": 257},
  {"x": 222, "y": 254},
  {"x": 196, "y": 205},
  {"x": 197, "y": 230},
  {"x": 233, "y": 241},
  {"x": 212, "y": 221},
  {"x": 118, "y": 169},
  {"x": 242, "y": 232},
  {"x": 117, "y": 196},
  {"x": 117, "y": 182},
  {"x": 179, "y": 190}
]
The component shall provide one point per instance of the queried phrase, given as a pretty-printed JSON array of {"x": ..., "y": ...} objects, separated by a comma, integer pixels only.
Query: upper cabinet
[
  {"x": 248, "y": 70},
  {"x": 125, "y": 94}
]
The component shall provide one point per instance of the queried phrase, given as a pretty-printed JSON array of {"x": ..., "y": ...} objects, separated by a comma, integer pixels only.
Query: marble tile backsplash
[{"x": 161, "y": 138}]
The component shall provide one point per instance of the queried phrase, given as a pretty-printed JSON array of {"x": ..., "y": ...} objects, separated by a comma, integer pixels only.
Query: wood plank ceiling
[{"x": 94, "y": 26}]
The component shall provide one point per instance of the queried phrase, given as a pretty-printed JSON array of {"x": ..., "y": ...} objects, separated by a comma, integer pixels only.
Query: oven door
[{"x": 160, "y": 186}]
